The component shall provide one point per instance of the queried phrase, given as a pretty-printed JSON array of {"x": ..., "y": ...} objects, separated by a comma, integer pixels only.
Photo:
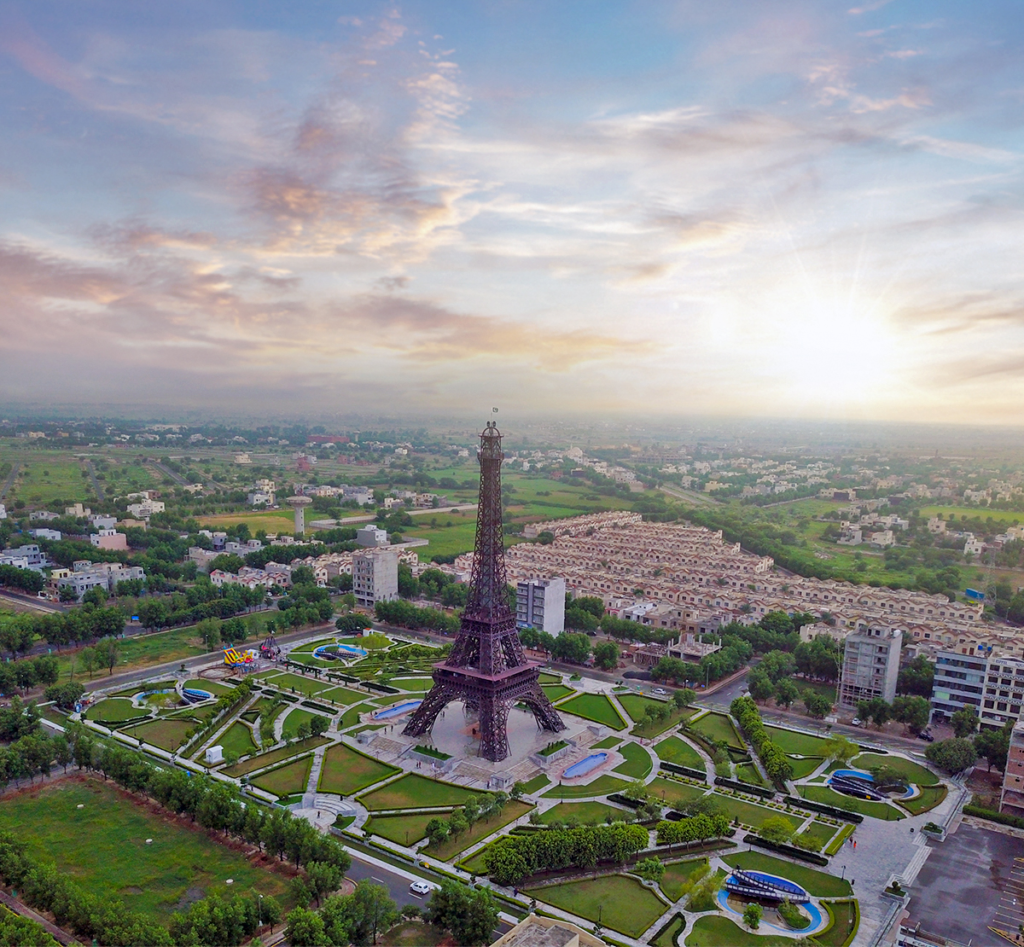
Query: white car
[
  {"x": 660, "y": 691},
  {"x": 421, "y": 887},
  {"x": 857, "y": 722}
]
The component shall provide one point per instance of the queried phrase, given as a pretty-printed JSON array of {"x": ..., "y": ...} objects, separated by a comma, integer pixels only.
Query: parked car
[
  {"x": 926, "y": 735},
  {"x": 660, "y": 691},
  {"x": 857, "y": 722}
]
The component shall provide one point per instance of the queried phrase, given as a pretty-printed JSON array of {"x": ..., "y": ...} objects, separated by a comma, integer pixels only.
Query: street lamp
[{"x": 260, "y": 904}]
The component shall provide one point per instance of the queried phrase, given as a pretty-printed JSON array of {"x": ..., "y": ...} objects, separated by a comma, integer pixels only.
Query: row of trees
[
  {"x": 912, "y": 712},
  {"x": 461, "y": 820},
  {"x": 405, "y": 615},
  {"x": 776, "y": 764},
  {"x": 18, "y": 633},
  {"x": 698, "y": 828},
  {"x": 517, "y": 856}
]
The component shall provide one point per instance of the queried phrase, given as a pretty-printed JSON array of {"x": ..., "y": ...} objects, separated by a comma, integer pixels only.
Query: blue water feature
[
  {"x": 855, "y": 773},
  {"x": 332, "y": 651},
  {"x": 813, "y": 911},
  {"x": 142, "y": 695},
  {"x": 397, "y": 709},
  {"x": 193, "y": 695},
  {"x": 584, "y": 766}
]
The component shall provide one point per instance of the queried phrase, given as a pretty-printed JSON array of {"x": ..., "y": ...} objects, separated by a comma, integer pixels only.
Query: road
[
  {"x": 370, "y": 517},
  {"x": 177, "y": 478},
  {"x": 30, "y": 602},
  {"x": 9, "y": 481},
  {"x": 97, "y": 489},
  {"x": 689, "y": 495}
]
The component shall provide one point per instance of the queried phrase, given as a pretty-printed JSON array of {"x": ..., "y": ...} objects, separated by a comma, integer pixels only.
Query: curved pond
[
  {"x": 397, "y": 710},
  {"x": 812, "y": 910},
  {"x": 584, "y": 766}
]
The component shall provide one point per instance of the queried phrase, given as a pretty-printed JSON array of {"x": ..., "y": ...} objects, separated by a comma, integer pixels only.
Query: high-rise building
[
  {"x": 1012, "y": 799},
  {"x": 959, "y": 682},
  {"x": 871, "y": 664},
  {"x": 540, "y": 604},
  {"x": 374, "y": 576},
  {"x": 1004, "y": 691}
]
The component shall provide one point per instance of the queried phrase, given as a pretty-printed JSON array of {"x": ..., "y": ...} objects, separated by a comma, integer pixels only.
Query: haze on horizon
[{"x": 791, "y": 208}]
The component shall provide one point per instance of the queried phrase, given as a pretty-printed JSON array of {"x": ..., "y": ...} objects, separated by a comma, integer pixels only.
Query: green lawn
[
  {"x": 114, "y": 710},
  {"x": 295, "y": 719},
  {"x": 167, "y": 734},
  {"x": 637, "y": 761},
  {"x": 877, "y": 810},
  {"x": 846, "y": 917},
  {"x": 275, "y": 756},
  {"x": 713, "y": 930},
  {"x": 296, "y": 682},
  {"x": 103, "y": 847},
  {"x": 414, "y": 684},
  {"x": 601, "y": 786},
  {"x": 144, "y": 650},
  {"x": 669, "y": 937},
  {"x": 445, "y": 540},
  {"x": 346, "y": 771},
  {"x": 804, "y": 766},
  {"x": 678, "y": 751},
  {"x": 677, "y": 874},
  {"x": 479, "y": 830},
  {"x": 237, "y": 741},
  {"x": 341, "y": 695},
  {"x": 556, "y": 691},
  {"x": 675, "y": 793},
  {"x": 801, "y": 743},
  {"x": 622, "y": 904},
  {"x": 214, "y": 687},
  {"x": 586, "y": 813},
  {"x": 636, "y": 705},
  {"x": 536, "y": 784},
  {"x": 402, "y": 829},
  {"x": 596, "y": 707},
  {"x": 546, "y": 677},
  {"x": 351, "y": 716},
  {"x": 748, "y": 773},
  {"x": 930, "y": 797},
  {"x": 818, "y": 883},
  {"x": 291, "y": 778},
  {"x": 821, "y": 830},
  {"x": 413, "y": 791},
  {"x": 911, "y": 771},
  {"x": 746, "y": 812},
  {"x": 718, "y": 728},
  {"x": 607, "y": 743}
]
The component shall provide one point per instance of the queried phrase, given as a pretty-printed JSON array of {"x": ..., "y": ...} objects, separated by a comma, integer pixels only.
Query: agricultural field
[
  {"x": 103, "y": 845},
  {"x": 43, "y": 479},
  {"x": 273, "y": 521}
]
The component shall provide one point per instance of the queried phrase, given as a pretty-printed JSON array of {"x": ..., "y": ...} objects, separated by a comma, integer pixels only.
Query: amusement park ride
[{"x": 247, "y": 660}]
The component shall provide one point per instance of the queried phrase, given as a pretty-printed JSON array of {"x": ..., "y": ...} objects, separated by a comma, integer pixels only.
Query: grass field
[
  {"x": 290, "y": 778},
  {"x": 817, "y": 883},
  {"x": 145, "y": 650},
  {"x": 637, "y": 761},
  {"x": 636, "y": 705},
  {"x": 43, "y": 480},
  {"x": 351, "y": 716},
  {"x": 586, "y": 813},
  {"x": 346, "y": 771},
  {"x": 675, "y": 793},
  {"x": 294, "y": 720},
  {"x": 212, "y": 687},
  {"x": 820, "y": 830},
  {"x": 479, "y": 830},
  {"x": 237, "y": 741},
  {"x": 621, "y": 903},
  {"x": 804, "y": 766},
  {"x": 414, "y": 684},
  {"x": 445, "y": 540},
  {"x": 601, "y": 786},
  {"x": 801, "y": 743},
  {"x": 746, "y": 812},
  {"x": 718, "y": 728},
  {"x": 748, "y": 773},
  {"x": 877, "y": 810},
  {"x": 675, "y": 750},
  {"x": 930, "y": 797},
  {"x": 168, "y": 734},
  {"x": 296, "y": 683},
  {"x": 546, "y": 677},
  {"x": 341, "y": 695},
  {"x": 402, "y": 829},
  {"x": 273, "y": 521},
  {"x": 669, "y": 937},
  {"x": 275, "y": 756},
  {"x": 846, "y": 916},
  {"x": 413, "y": 791},
  {"x": 717, "y": 931},
  {"x": 536, "y": 784},
  {"x": 114, "y": 710},
  {"x": 103, "y": 846},
  {"x": 910, "y": 770},
  {"x": 556, "y": 691},
  {"x": 677, "y": 874},
  {"x": 596, "y": 707}
]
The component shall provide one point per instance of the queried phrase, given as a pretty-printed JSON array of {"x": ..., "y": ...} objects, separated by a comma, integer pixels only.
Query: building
[
  {"x": 103, "y": 522},
  {"x": 374, "y": 576},
  {"x": 371, "y": 535},
  {"x": 534, "y": 931},
  {"x": 145, "y": 509},
  {"x": 28, "y": 556},
  {"x": 1012, "y": 799},
  {"x": 1004, "y": 691},
  {"x": 258, "y": 498},
  {"x": 871, "y": 664},
  {"x": 917, "y": 937},
  {"x": 87, "y": 575},
  {"x": 54, "y": 535},
  {"x": 3, "y": 512},
  {"x": 77, "y": 510},
  {"x": 109, "y": 539},
  {"x": 540, "y": 604},
  {"x": 959, "y": 682}
]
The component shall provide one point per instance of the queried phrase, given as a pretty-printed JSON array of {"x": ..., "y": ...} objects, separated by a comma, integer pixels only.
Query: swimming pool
[
  {"x": 397, "y": 710},
  {"x": 584, "y": 766}
]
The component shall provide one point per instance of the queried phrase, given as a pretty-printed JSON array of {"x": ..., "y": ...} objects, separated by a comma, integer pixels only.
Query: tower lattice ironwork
[{"x": 487, "y": 668}]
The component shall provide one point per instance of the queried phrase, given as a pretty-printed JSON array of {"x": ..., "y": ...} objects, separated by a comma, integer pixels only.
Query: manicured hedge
[
  {"x": 623, "y": 801},
  {"x": 745, "y": 787},
  {"x": 1002, "y": 818},
  {"x": 684, "y": 771},
  {"x": 791, "y": 850},
  {"x": 843, "y": 814}
]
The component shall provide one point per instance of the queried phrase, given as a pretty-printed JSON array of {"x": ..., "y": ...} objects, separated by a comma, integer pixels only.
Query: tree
[
  {"x": 777, "y": 829},
  {"x": 786, "y": 693},
  {"x": 470, "y": 915},
  {"x": 916, "y": 677},
  {"x": 352, "y": 624},
  {"x": 912, "y": 711},
  {"x": 877, "y": 710},
  {"x": 318, "y": 725},
  {"x": 606, "y": 655},
  {"x": 752, "y": 915},
  {"x": 760, "y": 685},
  {"x": 778, "y": 665},
  {"x": 840, "y": 749},
  {"x": 305, "y": 929},
  {"x": 952, "y": 756},
  {"x": 372, "y": 910},
  {"x": 817, "y": 705},
  {"x": 964, "y": 722},
  {"x": 994, "y": 745},
  {"x": 323, "y": 879},
  {"x": 683, "y": 698},
  {"x": 650, "y": 869},
  {"x": 572, "y": 647}
]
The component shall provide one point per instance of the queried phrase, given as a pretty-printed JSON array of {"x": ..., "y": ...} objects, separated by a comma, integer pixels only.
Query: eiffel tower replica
[{"x": 487, "y": 668}]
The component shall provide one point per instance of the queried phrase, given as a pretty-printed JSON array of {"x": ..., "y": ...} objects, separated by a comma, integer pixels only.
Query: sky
[{"x": 770, "y": 208}]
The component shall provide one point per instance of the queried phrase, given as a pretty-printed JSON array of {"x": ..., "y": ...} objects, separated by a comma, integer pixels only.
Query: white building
[
  {"x": 871, "y": 664},
  {"x": 54, "y": 535},
  {"x": 145, "y": 509},
  {"x": 86, "y": 575},
  {"x": 374, "y": 576},
  {"x": 371, "y": 535},
  {"x": 260, "y": 499},
  {"x": 103, "y": 522},
  {"x": 540, "y": 604}
]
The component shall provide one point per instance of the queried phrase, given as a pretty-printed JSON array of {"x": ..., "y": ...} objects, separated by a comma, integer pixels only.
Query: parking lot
[{"x": 973, "y": 880}]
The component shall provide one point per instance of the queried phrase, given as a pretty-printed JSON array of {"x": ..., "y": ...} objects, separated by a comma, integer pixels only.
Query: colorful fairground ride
[{"x": 244, "y": 661}]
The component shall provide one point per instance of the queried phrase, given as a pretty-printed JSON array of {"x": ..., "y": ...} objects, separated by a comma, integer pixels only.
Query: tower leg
[
  {"x": 422, "y": 720},
  {"x": 494, "y": 728},
  {"x": 547, "y": 716}
]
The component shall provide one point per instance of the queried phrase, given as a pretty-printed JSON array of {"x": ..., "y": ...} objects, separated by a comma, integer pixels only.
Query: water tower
[{"x": 299, "y": 504}]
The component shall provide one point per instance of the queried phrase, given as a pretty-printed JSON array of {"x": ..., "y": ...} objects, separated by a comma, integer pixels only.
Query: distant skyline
[{"x": 779, "y": 209}]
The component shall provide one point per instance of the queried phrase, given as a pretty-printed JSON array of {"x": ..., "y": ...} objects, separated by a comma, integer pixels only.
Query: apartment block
[
  {"x": 871, "y": 664},
  {"x": 1004, "y": 691},
  {"x": 1012, "y": 799},
  {"x": 540, "y": 604},
  {"x": 959, "y": 682},
  {"x": 374, "y": 576}
]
